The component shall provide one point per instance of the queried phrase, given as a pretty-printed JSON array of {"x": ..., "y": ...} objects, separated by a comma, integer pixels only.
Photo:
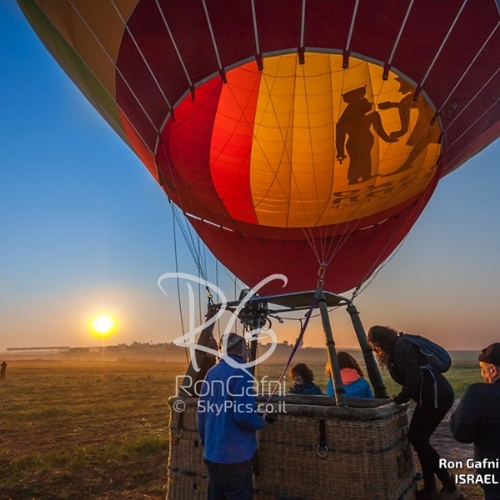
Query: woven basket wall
[{"x": 367, "y": 455}]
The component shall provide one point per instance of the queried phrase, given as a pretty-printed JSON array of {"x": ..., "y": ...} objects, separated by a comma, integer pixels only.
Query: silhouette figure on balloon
[
  {"x": 422, "y": 134},
  {"x": 355, "y": 123}
]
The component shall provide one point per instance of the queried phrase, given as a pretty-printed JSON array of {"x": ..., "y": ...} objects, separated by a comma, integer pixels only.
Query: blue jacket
[
  {"x": 227, "y": 419},
  {"x": 354, "y": 385},
  {"x": 308, "y": 389}
]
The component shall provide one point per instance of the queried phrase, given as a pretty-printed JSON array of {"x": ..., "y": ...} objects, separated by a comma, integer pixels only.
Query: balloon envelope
[{"x": 298, "y": 137}]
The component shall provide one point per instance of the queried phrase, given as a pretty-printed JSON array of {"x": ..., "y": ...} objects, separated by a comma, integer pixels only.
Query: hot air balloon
[{"x": 299, "y": 137}]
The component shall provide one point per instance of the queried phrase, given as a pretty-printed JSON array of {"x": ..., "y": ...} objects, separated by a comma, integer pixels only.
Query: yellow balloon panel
[{"x": 332, "y": 145}]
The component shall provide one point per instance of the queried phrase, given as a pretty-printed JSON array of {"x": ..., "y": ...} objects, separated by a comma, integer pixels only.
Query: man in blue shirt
[
  {"x": 477, "y": 420},
  {"x": 227, "y": 423}
]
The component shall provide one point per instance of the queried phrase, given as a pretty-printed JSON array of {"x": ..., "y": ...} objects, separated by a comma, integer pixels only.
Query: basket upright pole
[
  {"x": 371, "y": 365},
  {"x": 340, "y": 395}
]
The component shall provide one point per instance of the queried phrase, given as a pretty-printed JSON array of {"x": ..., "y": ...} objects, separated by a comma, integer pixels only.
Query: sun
[{"x": 103, "y": 325}]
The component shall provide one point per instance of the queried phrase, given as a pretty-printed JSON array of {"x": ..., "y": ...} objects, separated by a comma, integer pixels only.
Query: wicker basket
[{"x": 314, "y": 451}]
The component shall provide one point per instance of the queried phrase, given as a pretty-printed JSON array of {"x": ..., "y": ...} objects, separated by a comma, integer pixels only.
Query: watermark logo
[
  {"x": 234, "y": 386},
  {"x": 189, "y": 339},
  {"x": 230, "y": 392},
  {"x": 235, "y": 393},
  {"x": 205, "y": 406},
  {"x": 179, "y": 405},
  {"x": 481, "y": 472}
]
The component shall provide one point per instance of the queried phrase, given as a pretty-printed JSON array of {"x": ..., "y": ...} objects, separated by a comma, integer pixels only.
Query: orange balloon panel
[{"x": 308, "y": 145}]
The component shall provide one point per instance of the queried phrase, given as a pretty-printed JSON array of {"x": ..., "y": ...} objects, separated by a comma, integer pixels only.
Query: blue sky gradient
[{"x": 84, "y": 228}]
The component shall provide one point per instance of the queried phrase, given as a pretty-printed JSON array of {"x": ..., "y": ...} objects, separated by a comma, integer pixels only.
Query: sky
[{"x": 85, "y": 229}]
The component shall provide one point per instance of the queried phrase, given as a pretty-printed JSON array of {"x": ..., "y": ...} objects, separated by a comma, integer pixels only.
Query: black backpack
[{"x": 437, "y": 357}]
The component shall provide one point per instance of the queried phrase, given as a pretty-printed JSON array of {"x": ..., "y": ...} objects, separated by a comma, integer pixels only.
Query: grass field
[
  {"x": 99, "y": 430},
  {"x": 84, "y": 430}
]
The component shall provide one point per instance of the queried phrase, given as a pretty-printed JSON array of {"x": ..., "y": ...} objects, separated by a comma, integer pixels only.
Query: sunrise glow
[{"x": 103, "y": 325}]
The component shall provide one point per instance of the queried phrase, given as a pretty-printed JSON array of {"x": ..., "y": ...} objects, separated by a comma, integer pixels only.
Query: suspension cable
[
  {"x": 303, "y": 328},
  {"x": 178, "y": 284}
]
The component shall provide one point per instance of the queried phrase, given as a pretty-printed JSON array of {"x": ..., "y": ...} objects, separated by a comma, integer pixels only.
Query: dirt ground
[
  {"x": 453, "y": 450},
  {"x": 447, "y": 446}
]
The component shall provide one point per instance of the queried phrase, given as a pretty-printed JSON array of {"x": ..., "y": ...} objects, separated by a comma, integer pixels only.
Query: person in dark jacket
[
  {"x": 353, "y": 378},
  {"x": 433, "y": 396},
  {"x": 477, "y": 420},
  {"x": 303, "y": 377},
  {"x": 227, "y": 423}
]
